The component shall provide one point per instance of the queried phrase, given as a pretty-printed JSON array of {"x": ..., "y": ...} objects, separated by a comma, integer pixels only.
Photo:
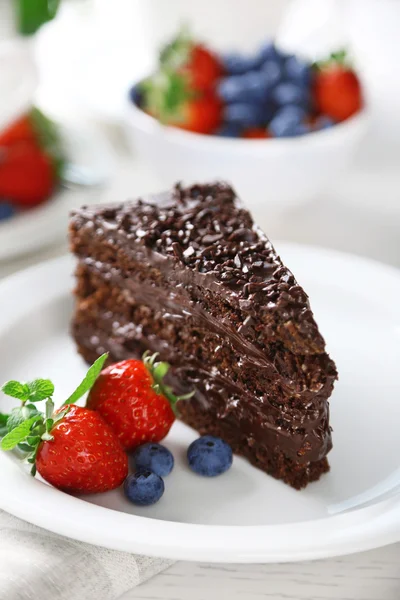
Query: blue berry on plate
[
  {"x": 286, "y": 121},
  {"x": 229, "y": 130},
  {"x": 209, "y": 456},
  {"x": 245, "y": 114},
  {"x": 136, "y": 95},
  {"x": 155, "y": 458},
  {"x": 7, "y": 210},
  {"x": 297, "y": 71},
  {"x": 290, "y": 93},
  {"x": 144, "y": 488},
  {"x": 324, "y": 122},
  {"x": 237, "y": 64}
]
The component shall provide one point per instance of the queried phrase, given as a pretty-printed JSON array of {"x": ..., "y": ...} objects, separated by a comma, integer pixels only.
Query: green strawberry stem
[
  {"x": 337, "y": 58},
  {"x": 158, "y": 370}
]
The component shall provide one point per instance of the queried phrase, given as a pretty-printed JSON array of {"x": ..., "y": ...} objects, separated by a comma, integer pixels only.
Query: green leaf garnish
[
  {"x": 20, "y": 414},
  {"x": 19, "y": 434},
  {"x": 3, "y": 424},
  {"x": 40, "y": 389},
  {"x": 16, "y": 389},
  {"x": 88, "y": 381}
]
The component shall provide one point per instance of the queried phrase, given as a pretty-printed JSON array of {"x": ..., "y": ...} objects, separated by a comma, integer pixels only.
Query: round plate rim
[{"x": 355, "y": 531}]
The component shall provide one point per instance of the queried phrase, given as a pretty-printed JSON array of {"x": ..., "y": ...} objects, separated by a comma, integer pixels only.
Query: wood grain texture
[{"x": 371, "y": 575}]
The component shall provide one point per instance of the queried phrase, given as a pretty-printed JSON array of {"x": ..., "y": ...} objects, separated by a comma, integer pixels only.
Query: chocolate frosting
[{"x": 201, "y": 238}]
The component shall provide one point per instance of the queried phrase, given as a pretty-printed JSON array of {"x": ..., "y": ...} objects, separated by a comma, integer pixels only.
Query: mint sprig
[
  {"x": 33, "y": 391},
  {"x": 18, "y": 434},
  {"x": 158, "y": 371},
  {"x": 26, "y": 427},
  {"x": 3, "y": 424}
]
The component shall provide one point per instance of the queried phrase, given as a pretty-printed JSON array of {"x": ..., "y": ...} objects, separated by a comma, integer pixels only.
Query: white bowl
[{"x": 272, "y": 173}]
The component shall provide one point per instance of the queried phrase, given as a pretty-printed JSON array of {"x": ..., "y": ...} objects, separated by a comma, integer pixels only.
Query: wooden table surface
[{"x": 367, "y": 576}]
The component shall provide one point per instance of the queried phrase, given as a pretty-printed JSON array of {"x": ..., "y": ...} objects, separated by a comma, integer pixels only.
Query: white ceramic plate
[{"x": 243, "y": 516}]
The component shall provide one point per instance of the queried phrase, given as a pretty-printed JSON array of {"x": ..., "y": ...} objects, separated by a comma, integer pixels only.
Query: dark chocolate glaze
[{"x": 200, "y": 239}]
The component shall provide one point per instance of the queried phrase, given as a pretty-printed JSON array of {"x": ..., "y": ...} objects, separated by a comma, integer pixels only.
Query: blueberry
[
  {"x": 268, "y": 52},
  {"x": 290, "y": 93},
  {"x": 272, "y": 73},
  {"x": 324, "y": 122},
  {"x": 302, "y": 129},
  {"x": 237, "y": 64},
  {"x": 250, "y": 87},
  {"x": 230, "y": 130},
  {"x": 7, "y": 210},
  {"x": 136, "y": 95},
  {"x": 246, "y": 114},
  {"x": 231, "y": 89},
  {"x": 155, "y": 458},
  {"x": 143, "y": 488},
  {"x": 286, "y": 121},
  {"x": 209, "y": 456},
  {"x": 297, "y": 71}
]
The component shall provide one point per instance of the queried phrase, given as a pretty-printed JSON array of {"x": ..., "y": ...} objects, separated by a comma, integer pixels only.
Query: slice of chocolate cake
[{"x": 189, "y": 275}]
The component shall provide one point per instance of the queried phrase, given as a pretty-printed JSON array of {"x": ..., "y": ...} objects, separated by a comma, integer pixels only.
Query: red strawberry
[
  {"x": 256, "y": 133},
  {"x": 20, "y": 130},
  {"x": 132, "y": 398},
  {"x": 84, "y": 455},
  {"x": 199, "y": 66},
  {"x": 202, "y": 68},
  {"x": 73, "y": 448},
  {"x": 26, "y": 174},
  {"x": 337, "y": 90},
  {"x": 200, "y": 115},
  {"x": 167, "y": 97}
]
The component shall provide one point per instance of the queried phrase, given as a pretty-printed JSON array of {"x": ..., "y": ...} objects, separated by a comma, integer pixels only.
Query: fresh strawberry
[
  {"x": 336, "y": 90},
  {"x": 199, "y": 66},
  {"x": 72, "y": 448},
  {"x": 167, "y": 98},
  {"x": 84, "y": 455},
  {"x": 256, "y": 133},
  {"x": 26, "y": 174},
  {"x": 19, "y": 131},
  {"x": 132, "y": 398},
  {"x": 200, "y": 115}
]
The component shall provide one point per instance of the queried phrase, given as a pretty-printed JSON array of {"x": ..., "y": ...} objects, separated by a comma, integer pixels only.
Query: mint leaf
[
  {"x": 19, "y": 434},
  {"x": 88, "y": 381},
  {"x": 3, "y": 424},
  {"x": 40, "y": 389},
  {"x": 16, "y": 389},
  {"x": 20, "y": 414}
]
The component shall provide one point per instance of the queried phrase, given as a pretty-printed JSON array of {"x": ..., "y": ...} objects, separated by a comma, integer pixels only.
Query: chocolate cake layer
[{"x": 189, "y": 275}]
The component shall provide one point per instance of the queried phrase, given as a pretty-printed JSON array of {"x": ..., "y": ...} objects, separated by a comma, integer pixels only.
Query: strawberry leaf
[
  {"x": 88, "y": 381},
  {"x": 19, "y": 434},
  {"x": 16, "y": 389},
  {"x": 157, "y": 371},
  {"x": 40, "y": 389},
  {"x": 50, "y": 140}
]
